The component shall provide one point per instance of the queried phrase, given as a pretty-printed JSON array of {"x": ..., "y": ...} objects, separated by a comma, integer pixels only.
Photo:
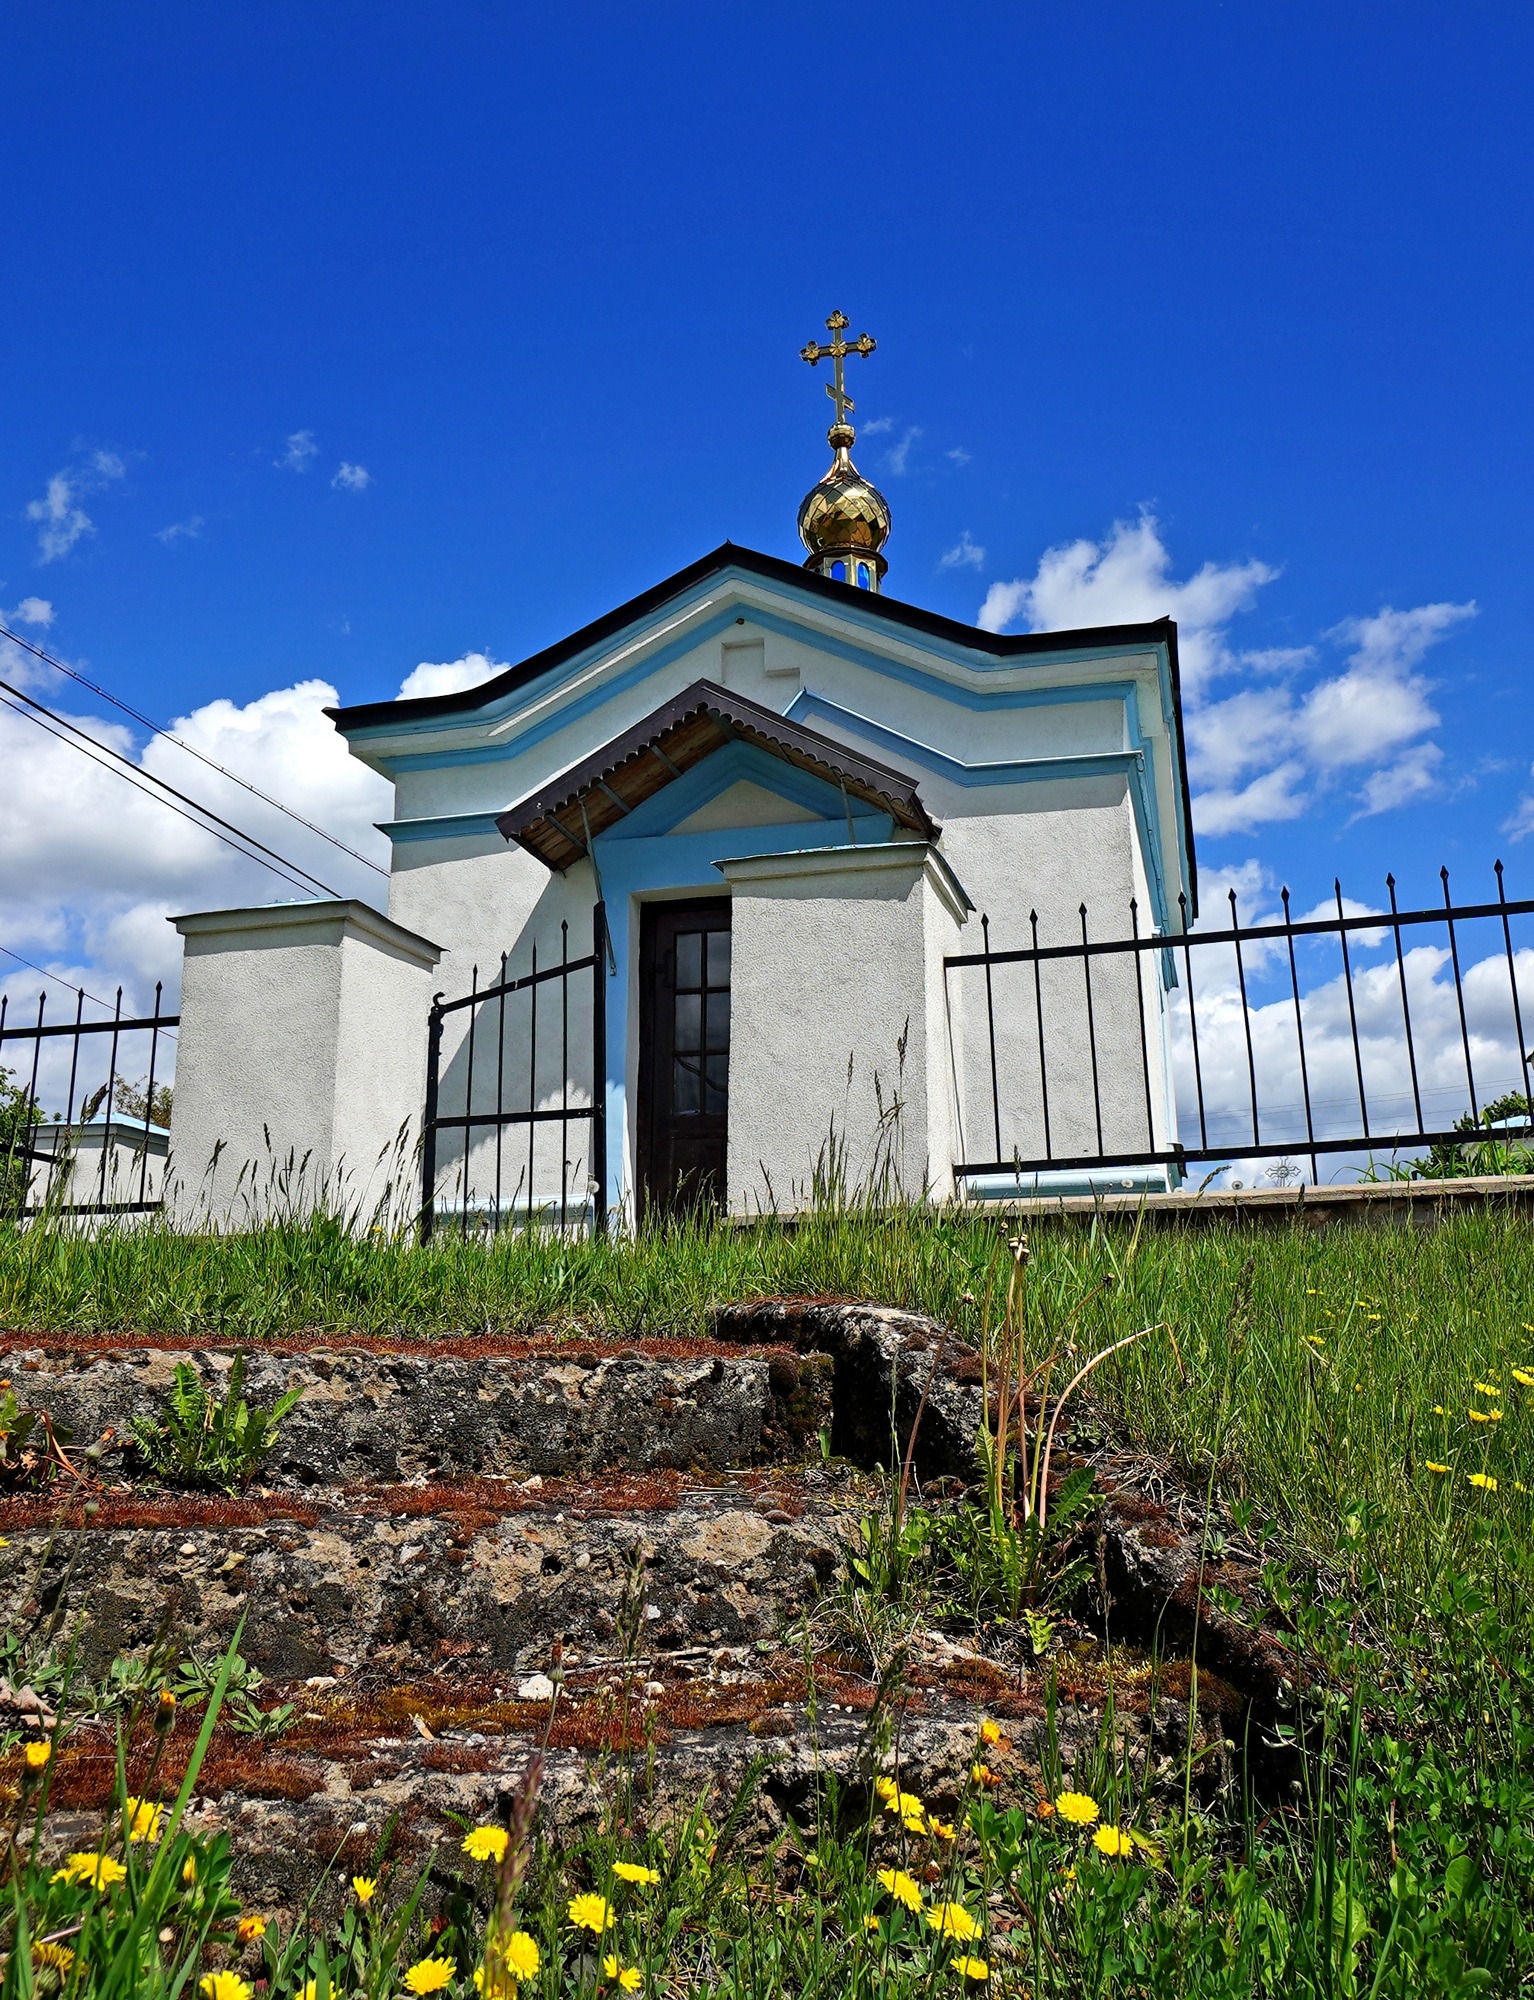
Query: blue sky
[{"x": 1231, "y": 304}]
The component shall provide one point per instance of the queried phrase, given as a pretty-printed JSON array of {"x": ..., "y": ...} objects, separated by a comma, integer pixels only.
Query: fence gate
[
  {"x": 1342, "y": 1032},
  {"x": 84, "y": 1110},
  {"x": 515, "y": 1128}
]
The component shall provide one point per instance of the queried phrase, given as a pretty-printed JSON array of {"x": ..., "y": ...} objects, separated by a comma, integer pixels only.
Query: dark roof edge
[{"x": 1002, "y": 645}]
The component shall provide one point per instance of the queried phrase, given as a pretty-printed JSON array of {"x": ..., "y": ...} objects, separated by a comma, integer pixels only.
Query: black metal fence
[
  {"x": 84, "y": 1109},
  {"x": 1360, "y": 1032},
  {"x": 531, "y": 1061}
]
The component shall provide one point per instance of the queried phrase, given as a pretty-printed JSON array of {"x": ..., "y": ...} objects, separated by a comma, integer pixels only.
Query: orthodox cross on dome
[{"x": 836, "y": 351}]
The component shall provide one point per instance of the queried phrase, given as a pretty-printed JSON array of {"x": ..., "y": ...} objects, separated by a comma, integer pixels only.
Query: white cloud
[
  {"x": 90, "y": 867},
  {"x": 32, "y": 611},
  {"x": 895, "y": 458},
  {"x": 297, "y": 453},
  {"x": 449, "y": 676},
  {"x": 187, "y": 530},
  {"x": 61, "y": 521},
  {"x": 963, "y": 555},
  {"x": 1127, "y": 580},
  {"x": 878, "y": 426},
  {"x": 1520, "y": 822},
  {"x": 352, "y": 478},
  {"x": 1272, "y": 748},
  {"x": 958, "y": 454}
]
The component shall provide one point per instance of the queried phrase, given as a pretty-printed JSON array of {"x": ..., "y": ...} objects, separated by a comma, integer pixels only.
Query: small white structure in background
[
  {"x": 793, "y": 797},
  {"x": 111, "y": 1163}
]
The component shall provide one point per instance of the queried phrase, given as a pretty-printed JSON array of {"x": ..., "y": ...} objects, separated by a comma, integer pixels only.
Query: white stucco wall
[
  {"x": 301, "y": 1061},
  {"x": 839, "y": 1017}
]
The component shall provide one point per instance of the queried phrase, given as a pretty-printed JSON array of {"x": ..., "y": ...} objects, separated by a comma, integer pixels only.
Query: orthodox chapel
[{"x": 763, "y": 888}]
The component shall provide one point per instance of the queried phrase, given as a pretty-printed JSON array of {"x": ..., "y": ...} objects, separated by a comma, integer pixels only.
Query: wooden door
[{"x": 684, "y": 1054}]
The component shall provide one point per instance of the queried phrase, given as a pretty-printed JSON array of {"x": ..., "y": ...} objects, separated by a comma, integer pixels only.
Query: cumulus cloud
[
  {"x": 352, "y": 478},
  {"x": 178, "y": 531},
  {"x": 963, "y": 555},
  {"x": 1291, "y": 732},
  {"x": 61, "y": 520},
  {"x": 297, "y": 453},
  {"x": 90, "y": 867},
  {"x": 449, "y": 676}
]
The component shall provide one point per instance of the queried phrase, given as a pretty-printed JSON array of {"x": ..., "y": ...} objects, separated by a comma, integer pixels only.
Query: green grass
[{"x": 1310, "y": 1432}]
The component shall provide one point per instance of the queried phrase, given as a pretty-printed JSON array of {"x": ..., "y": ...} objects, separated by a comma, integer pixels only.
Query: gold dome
[{"x": 844, "y": 515}]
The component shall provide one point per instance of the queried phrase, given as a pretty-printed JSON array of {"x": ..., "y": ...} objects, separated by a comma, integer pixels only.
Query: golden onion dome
[{"x": 844, "y": 514}]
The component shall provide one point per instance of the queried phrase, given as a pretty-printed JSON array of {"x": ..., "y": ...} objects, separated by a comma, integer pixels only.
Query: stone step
[
  {"x": 490, "y": 1572},
  {"x": 427, "y": 1413}
]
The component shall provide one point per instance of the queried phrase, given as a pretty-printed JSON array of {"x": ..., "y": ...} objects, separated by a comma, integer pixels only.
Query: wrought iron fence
[
  {"x": 1323, "y": 1035},
  {"x": 84, "y": 1110},
  {"x": 532, "y": 1056}
]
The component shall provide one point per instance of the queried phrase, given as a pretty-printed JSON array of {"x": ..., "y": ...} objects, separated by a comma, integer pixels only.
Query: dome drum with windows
[{"x": 844, "y": 521}]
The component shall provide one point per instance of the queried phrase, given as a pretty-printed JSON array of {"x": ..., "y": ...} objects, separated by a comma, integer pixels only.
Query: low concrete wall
[
  {"x": 1422, "y": 1203},
  {"x": 301, "y": 1068}
]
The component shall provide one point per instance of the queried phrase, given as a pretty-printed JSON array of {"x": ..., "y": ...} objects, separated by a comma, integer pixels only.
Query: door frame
[{"x": 646, "y": 1162}]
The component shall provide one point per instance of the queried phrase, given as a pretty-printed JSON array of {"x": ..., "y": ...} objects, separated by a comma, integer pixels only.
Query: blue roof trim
[{"x": 443, "y": 826}]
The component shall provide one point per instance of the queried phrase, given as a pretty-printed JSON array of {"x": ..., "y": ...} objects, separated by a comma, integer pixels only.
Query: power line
[
  {"x": 159, "y": 729},
  {"x": 125, "y": 768},
  {"x": 68, "y": 985}
]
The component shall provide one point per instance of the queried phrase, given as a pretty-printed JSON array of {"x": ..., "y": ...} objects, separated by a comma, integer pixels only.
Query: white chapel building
[{"x": 762, "y": 810}]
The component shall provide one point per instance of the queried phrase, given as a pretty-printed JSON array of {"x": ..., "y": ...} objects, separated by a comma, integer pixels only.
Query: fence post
[
  {"x": 599, "y": 1068},
  {"x": 429, "y": 1120}
]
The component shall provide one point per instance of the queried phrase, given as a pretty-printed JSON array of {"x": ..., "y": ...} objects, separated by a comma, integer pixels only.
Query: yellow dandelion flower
[
  {"x": 972, "y": 1968},
  {"x": 1483, "y": 1479},
  {"x": 37, "y": 1755},
  {"x": 907, "y": 1804},
  {"x": 886, "y": 1788},
  {"x": 1522, "y": 1375},
  {"x": 627, "y": 1976},
  {"x": 1109, "y": 1840},
  {"x": 144, "y": 1818},
  {"x": 952, "y": 1920},
  {"x": 189, "y": 1870},
  {"x": 982, "y": 1774},
  {"x": 590, "y": 1913},
  {"x": 632, "y": 1871},
  {"x": 1078, "y": 1807},
  {"x": 1433, "y": 1466},
  {"x": 1439, "y": 1410},
  {"x": 941, "y": 1829},
  {"x": 429, "y": 1975},
  {"x": 901, "y": 1886},
  {"x": 990, "y": 1732},
  {"x": 1479, "y": 1416},
  {"x": 1487, "y": 1389},
  {"x": 870, "y": 1923},
  {"x": 309, "y": 1989},
  {"x": 364, "y": 1888},
  {"x": 519, "y": 1955},
  {"x": 59, "y": 1956},
  {"x": 486, "y": 1843},
  {"x": 915, "y": 1827},
  {"x": 100, "y": 1871},
  {"x": 248, "y": 1929},
  {"x": 224, "y": 1986}
]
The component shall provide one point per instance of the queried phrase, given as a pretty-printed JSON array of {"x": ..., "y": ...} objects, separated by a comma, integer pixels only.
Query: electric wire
[
  {"x": 124, "y": 767},
  {"x": 159, "y": 729}
]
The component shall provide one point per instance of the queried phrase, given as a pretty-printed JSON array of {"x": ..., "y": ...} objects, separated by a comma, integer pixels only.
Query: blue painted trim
[
  {"x": 1129, "y": 764},
  {"x": 728, "y": 766},
  {"x": 445, "y": 826}
]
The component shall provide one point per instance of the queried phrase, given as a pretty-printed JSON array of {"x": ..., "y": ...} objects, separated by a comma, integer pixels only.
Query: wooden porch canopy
[{"x": 592, "y": 796}]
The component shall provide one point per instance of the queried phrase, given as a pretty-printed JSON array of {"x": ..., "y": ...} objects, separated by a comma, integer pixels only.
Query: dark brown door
[{"x": 684, "y": 1054}]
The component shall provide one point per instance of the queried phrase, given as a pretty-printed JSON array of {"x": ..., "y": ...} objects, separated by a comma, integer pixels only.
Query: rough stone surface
[
  {"x": 369, "y": 1416},
  {"x": 361, "y": 1580},
  {"x": 881, "y": 1354}
]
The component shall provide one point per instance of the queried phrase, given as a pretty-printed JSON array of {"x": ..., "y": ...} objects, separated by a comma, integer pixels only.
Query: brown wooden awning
[{"x": 604, "y": 788}]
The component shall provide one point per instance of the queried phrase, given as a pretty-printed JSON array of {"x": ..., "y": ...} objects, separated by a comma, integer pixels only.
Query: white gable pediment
[{"x": 745, "y": 804}]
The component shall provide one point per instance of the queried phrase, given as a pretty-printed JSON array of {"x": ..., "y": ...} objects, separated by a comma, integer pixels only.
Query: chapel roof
[
  {"x": 729, "y": 555},
  {"x": 590, "y": 797}
]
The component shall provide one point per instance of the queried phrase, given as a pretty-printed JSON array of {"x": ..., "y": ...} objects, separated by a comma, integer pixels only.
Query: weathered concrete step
[
  {"x": 403, "y": 1577},
  {"x": 378, "y": 1416}
]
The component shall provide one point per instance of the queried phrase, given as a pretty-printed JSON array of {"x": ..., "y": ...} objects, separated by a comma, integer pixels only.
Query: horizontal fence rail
[
  {"x": 84, "y": 1109},
  {"x": 1305, "y": 1037},
  {"x": 515, "y": 1070}
]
